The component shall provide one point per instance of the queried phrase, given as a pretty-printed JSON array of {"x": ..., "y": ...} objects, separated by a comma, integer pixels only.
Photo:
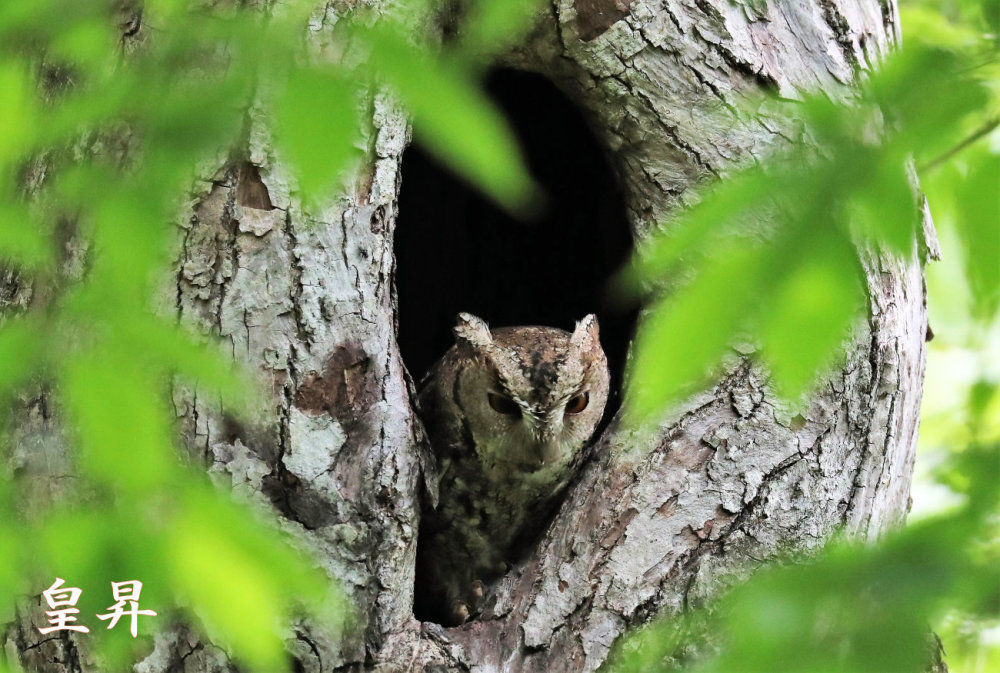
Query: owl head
[{"x": 531, "y": 396}]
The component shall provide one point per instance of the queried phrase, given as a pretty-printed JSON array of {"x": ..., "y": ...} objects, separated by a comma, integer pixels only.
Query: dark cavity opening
[{"x": 457, "y": 251}]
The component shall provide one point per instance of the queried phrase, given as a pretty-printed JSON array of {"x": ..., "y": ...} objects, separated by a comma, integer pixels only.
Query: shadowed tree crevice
[{"x": 458, "y": 251}]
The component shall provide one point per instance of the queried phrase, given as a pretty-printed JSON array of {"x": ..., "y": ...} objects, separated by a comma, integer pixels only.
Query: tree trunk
[{"x": 308, "y": 299}]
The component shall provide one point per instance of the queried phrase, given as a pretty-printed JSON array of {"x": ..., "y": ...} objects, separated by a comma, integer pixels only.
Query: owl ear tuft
[
  {"x": 587, "y": 332},
  {"x": 472, "y": 331}
]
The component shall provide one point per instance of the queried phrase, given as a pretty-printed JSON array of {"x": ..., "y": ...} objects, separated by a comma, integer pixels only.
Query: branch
[{"x": 981, "y": 132}]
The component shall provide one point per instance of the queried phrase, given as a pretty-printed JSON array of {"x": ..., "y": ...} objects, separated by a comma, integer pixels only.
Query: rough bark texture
[{"x": 655, "y": 523}]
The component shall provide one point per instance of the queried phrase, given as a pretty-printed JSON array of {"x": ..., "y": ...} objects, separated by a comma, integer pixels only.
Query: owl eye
[
  {"x": 503, "y": 405},
  {"x": 577, "y": 403}
]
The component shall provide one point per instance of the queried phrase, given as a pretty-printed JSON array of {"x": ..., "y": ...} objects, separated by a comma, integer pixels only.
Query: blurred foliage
[
  {"x": 180, "y": 99},
  {"x": 801, "y": 286},
  {"x": 853, "y": 608},
  {"x": 961, "y": 403},
  {"x": 106, "y": 109},
  {"x": 934, "y": 106}
]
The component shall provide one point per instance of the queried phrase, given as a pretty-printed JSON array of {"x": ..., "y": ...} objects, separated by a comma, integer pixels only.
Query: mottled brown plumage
[{"x": 508, "y": 413}]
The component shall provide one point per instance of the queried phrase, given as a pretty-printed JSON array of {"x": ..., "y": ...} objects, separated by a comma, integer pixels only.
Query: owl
[{"x": 508, "y": 413}]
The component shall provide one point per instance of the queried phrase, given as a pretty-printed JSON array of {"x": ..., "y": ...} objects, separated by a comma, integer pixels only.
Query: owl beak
[
  {"x": 548, "y": 445},
  {"x": 545, "y": 430},
  {"x": 549, "y": 453}
]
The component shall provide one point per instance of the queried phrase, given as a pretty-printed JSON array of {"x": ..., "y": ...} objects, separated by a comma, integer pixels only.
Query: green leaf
[
  {"x": 25, "y": 241},
  {"x": 991, "y": 14},
  {"x": 492, "y": 24},
  {"x": 17, "y": 112},
  {"x": 22, "y": 347},
  {"x": 807, "y": 316},
  {"x": 925, "y": 125},
  {"x": 301, "y": 580},
  {"x": 686, "y": 334},
  {"x": 122, "y": 428},
  {"x": 853, "y": 609},
  {"x": 978, "y": 205},
  {"x": 929, "y": 27},
  {"x": 223, "y": 562},
  {"x": 237, "y": 600},
  {"x": 130, "y": 237},
  {"x": 14, "y": 552},
  {"x": 720, "y": 214},
  {"x": 453, "y": 118},
  {"x": 984, "y": 412},
  {"x": 101, "y": 542},
  {"x": 317, "y": 123},
  {"x": 169, "y": 348},
  {"x": 86, "y": 44},
  {"x": 193, "y": 115},
  {"x": 48, "y": 17},
  {"x": 883, "y": 206}
]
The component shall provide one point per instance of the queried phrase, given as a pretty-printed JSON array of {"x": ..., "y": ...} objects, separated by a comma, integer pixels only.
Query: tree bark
[{"x": 653, "y": 525}]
